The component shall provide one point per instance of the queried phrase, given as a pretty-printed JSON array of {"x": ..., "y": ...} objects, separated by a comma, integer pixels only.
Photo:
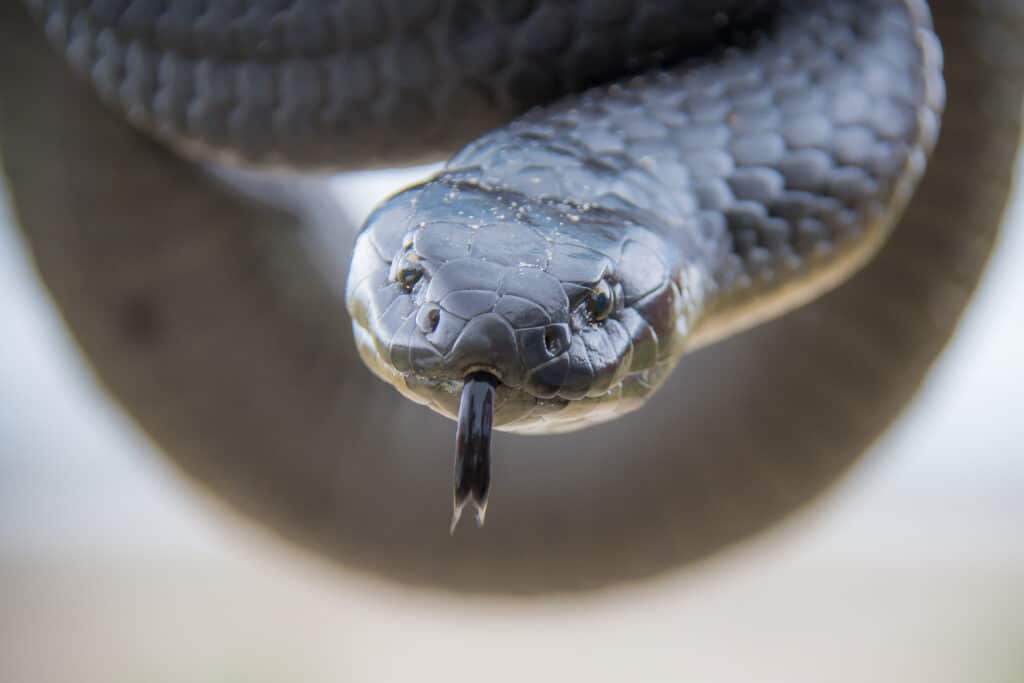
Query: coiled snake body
[{"x": 574, "y": 255}]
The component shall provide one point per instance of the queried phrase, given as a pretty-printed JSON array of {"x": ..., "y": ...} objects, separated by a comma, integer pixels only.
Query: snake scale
[{"x": 592, "y": 242}]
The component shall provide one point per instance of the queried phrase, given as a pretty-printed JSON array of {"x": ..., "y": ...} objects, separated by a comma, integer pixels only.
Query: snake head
[{"x": 578, "y": 313}]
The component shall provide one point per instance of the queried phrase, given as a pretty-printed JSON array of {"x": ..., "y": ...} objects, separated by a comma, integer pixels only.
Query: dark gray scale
[
  {"x": 362, "y": 83},
  {"x": 777, "y": 155}
]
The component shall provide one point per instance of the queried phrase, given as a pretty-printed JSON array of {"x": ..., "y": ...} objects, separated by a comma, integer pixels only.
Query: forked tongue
[{"x": 473, "y": 446}]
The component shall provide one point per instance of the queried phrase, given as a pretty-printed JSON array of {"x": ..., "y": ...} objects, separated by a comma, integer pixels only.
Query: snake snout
[
  {"x": 487, "y": 343},
  {"x": 531, "y": 357}
]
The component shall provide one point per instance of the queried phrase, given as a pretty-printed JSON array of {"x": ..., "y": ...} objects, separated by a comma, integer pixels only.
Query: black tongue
[{"x": 473, "y": 446}]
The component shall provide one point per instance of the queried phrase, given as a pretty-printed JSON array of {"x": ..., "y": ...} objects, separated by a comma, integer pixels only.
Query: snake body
[{"x": 728, "y": 203}]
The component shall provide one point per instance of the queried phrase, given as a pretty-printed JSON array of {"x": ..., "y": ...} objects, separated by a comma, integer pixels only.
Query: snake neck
[{"x": 772, "y": 173}]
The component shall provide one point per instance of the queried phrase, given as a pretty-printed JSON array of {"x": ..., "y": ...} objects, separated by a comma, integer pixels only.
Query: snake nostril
[
  {"x": 553, "y": 341},
  {"x": 428, "y": 318}
]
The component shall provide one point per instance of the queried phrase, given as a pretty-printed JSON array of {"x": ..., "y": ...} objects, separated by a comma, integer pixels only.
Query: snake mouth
[
  {"x": 515, "y": 407},
  {"x": 493, "y": 373}
]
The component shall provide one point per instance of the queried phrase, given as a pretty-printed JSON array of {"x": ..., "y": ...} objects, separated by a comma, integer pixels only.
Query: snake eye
[
  {"x": 601, "y": 301},
  {"x": 407, "y": 273},
  {"x": 409, "y": 276}
]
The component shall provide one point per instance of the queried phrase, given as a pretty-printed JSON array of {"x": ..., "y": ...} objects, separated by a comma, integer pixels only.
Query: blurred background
[{"x": 114, "y": 568}]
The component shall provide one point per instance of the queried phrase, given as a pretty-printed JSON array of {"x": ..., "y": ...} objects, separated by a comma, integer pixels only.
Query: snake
[
  {"x": 633, "y": 185},
  {"x": 574, "y": 256}
]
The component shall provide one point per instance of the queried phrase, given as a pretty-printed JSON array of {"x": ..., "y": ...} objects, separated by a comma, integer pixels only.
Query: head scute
[{"x": 568, "y": 307}]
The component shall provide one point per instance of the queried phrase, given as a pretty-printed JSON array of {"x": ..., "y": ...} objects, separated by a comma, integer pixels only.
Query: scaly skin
[
  {"x": 704, "y": 199},
  {"x": 359, "y": 83},
  {"x": 206, "y": 317}
]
